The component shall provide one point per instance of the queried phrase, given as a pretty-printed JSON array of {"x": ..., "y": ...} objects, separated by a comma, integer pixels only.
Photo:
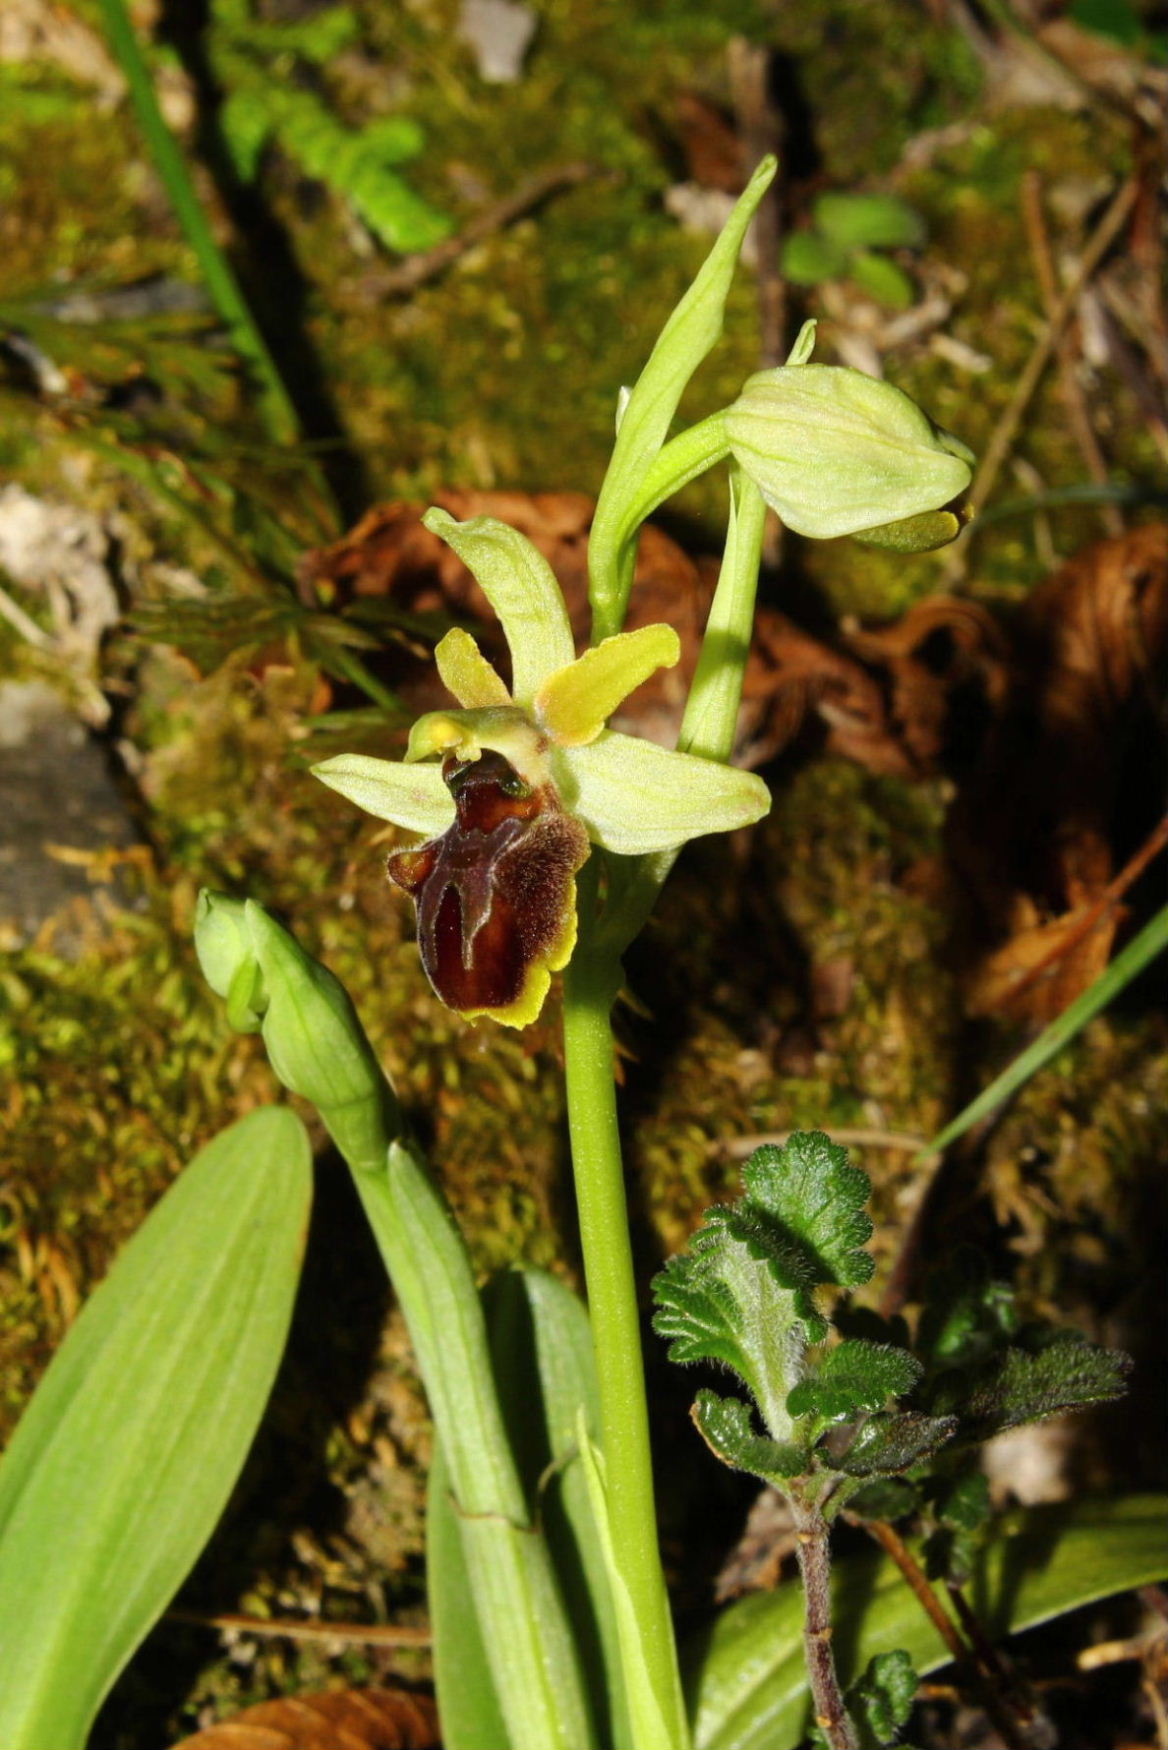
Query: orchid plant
[{"x": 545, "y": 838}]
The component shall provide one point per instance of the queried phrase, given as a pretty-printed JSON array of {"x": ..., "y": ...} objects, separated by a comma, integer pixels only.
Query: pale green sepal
[
  {"x": 574, "y": 705},
  {"x": 126, "y": 1457},
  {"x": 650, "y": 1729},
  {"x": 804, "y": 346},
  {"x": 835, "y": 452},
  {"x": 635, "y": 797},
  {"x": 466, "y": 673},
  {"x": 521, "y": 587},
  {"x": 646, "y": 415},
  {"x": 413, "y": 797}
]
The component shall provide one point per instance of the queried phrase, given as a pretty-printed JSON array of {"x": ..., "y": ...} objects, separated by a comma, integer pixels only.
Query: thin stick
[
  {"x": 894, "y": 1546},
  {"x": 1072, "y": 389},
  {"x": 895, "y": 1141},
  {"x": 290, "y": 1629},
  {"x": 394, "y": 282},
  {"x": 1006, "y": 432}
]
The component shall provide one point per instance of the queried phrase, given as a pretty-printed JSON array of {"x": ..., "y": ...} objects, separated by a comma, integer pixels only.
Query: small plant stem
[
  {"x": 831, "y": 1716},
  {"x": 275, "y": 406},
  {"x": 589, "y": 990}
]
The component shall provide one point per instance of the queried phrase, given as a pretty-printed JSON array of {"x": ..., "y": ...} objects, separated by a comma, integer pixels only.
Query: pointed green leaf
[
  {"x": 469, "y": 1709},
  {"x": 636, "y": 797},
  {"x": 125, "y": 1459},
  {"x": 882, "y": 279},
  {"x": 869, "y": 221},
  {"x": 809, "y": 258},
  {"x": 853, "y": 1377},
  {"x": 541, "y": 1345},
  {"x": 747, "y": 1679},
  {"x": 412, "y": 796}
]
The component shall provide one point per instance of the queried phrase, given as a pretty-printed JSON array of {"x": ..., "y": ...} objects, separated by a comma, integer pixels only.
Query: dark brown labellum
[{"x": 496, "y": 893}]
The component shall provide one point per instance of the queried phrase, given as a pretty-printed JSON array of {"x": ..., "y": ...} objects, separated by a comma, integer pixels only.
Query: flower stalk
[{"x": 590, "y": 988}]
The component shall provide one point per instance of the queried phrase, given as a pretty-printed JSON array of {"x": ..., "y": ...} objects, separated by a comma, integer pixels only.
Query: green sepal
[
  {"x": 894, "y": 1441},
  {"x": 726, "y": 1427},
  {"x": 854, "y": 1377}
]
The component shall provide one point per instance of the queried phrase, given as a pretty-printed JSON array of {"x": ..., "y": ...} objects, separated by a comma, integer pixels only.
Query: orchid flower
[{"x": 527, "y": 782}]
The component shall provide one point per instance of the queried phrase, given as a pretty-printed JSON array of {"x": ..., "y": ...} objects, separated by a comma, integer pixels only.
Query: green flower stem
[
  {"x": 711, "y": 713},
  {"x": 689, "y": 454},
  {"x": 590, "y": 987},
  {"x": 275, "y": 406}
]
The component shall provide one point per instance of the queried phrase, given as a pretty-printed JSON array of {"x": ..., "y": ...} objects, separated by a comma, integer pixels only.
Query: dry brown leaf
[
  {"x": 1052, "y": 728},
  {"x": 333, "y": 1719}
]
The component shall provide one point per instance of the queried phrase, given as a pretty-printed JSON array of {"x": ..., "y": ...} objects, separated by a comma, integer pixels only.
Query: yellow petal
[
  {"x": 466, "y": 672},
  {"x": 574, "y": 705}
]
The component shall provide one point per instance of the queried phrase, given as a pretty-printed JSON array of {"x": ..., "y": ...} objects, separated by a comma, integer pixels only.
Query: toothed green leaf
[
  {"x": 889, "y": 1443},
  {"x": 854, "y": 1377},
  {"x": 725, "y": 1426},
  {"x": 1024, "y": 1386}
]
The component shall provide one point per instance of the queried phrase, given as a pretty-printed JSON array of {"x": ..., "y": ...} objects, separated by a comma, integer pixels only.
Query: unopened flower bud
[
  {"x": 314, "y": 1039},
  {"x": 836, "y": 453}
]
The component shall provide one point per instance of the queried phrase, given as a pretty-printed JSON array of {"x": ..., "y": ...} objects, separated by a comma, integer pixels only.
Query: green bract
[
  {"x": 837, "y": 453},
  {"x": 527, "y": 779}
]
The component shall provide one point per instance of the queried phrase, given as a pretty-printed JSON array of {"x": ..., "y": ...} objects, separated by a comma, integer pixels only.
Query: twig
[
  {"x": 395, "y": 282},
  {"x": 896, "y": 1141},
  {"x": 293, "y": 1629},
  {"x": 894, "y": 1546},
  {"x": 1007, "y": 428},
  {"x": 994, "y": 1668},
  {"x": 1072, "y": 389}
]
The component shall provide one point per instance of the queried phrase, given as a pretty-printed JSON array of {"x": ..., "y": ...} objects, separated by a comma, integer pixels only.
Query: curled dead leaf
[{"x": 333, "y": 1719}]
